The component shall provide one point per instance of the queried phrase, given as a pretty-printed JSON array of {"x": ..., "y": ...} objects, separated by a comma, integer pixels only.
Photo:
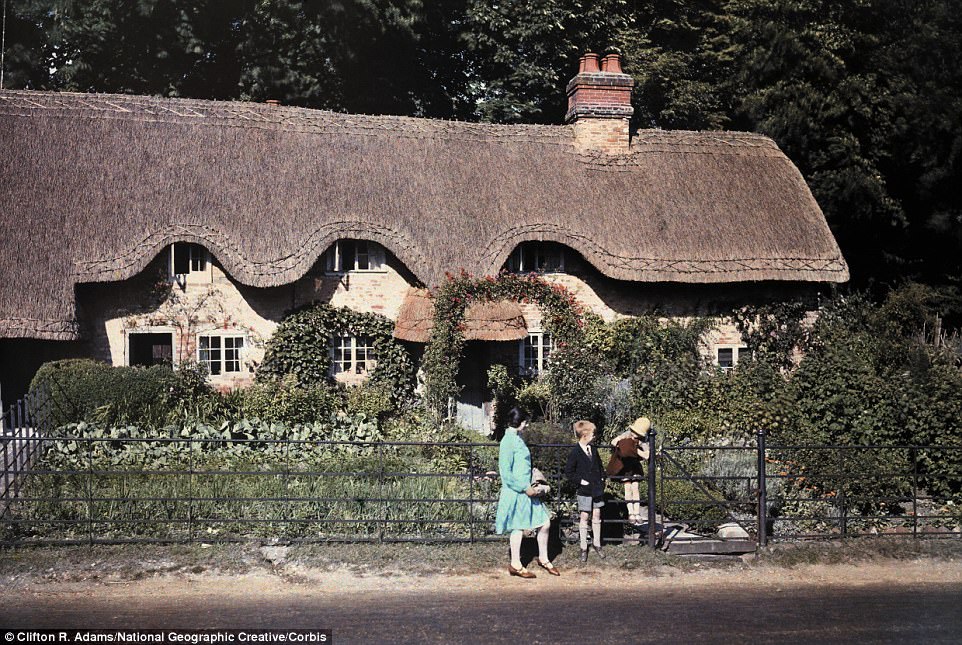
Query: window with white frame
[
  {"x": 354, "y": 255},
  {"x": 542, "y": 257},
  {"x": 352, "y": 355},
  {"x": 220, "y": 353},
  {"x": 187, "y": 258},
  {"x": 727, "y": 356},
  {"x": 533, "y": 353}
]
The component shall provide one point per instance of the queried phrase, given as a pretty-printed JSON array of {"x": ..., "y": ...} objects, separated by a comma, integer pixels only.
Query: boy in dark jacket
[{"x": 584, "y": 470}]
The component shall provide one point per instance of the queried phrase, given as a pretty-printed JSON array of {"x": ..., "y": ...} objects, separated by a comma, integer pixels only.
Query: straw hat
[{"x": 641, "y": 426}]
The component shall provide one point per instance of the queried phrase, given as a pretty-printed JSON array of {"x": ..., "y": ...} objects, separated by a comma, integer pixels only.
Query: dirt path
[{"x": 884, "y": 601}]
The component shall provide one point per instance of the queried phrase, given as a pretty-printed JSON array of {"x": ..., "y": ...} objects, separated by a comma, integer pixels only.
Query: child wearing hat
[{"x": 630, "y": 449}]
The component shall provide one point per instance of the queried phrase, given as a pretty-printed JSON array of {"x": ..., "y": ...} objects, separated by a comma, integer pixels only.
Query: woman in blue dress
[{"x": 519, "y": 509}]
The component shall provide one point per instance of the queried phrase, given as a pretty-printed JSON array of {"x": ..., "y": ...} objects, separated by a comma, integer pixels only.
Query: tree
[
  {"x": 864, "y": 98},
  {"x": 521, "y": 54}
]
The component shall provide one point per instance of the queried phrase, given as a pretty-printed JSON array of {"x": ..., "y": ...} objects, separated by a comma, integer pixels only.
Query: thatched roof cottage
[{"x": 255, "y": 208}]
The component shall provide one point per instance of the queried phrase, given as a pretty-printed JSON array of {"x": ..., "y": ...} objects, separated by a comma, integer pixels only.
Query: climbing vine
[
  {"x": 561, "y": 318},
  {"x": 299, "y": 347}
]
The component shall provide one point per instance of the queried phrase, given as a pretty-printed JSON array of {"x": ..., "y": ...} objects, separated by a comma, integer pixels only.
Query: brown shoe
[
  {"x": 521, "y": 573},
  {"x": 550, "y": 568}
]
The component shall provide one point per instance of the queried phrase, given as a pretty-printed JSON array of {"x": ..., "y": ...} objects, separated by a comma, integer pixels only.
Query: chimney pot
[
  {"x": 591, "y": 63},
  {"x": 612, "y": 64},
  {"x": 599, "y": 104}
]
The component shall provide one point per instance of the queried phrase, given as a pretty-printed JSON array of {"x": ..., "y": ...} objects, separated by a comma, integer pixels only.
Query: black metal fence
[{"x": 90, "y": 486}]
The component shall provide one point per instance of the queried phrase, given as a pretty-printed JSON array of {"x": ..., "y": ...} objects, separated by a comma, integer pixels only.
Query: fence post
[
  {"x": 90, "y": 489},
  {"x": 915, "y": 492},
  {"x": 652, "y": 518},
  {"x": 471, "y": 494},
  {"x": 18, "y": 447},
  {"x": 843, "y": 518},
  {"x": 762, "y": 491}
]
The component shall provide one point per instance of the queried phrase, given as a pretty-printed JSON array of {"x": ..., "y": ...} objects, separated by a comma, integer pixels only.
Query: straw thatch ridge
[
  {"x": 281, "y": 270},
  {"x": 95, "y": 186},
  {"x": 490, "y": 321}
]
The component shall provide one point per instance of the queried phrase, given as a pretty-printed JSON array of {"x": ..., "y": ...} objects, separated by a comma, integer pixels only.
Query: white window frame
[
  {"x": 352, "y": 354},
  {"x": 737, "y": 350},
  {"x": 520, "y": 257},
  {"x": 334, "y": 258},
  {"x": 223, "y": 337},
  {"x": 197, "y": 256},
  {"x": 540, "y": 344}
]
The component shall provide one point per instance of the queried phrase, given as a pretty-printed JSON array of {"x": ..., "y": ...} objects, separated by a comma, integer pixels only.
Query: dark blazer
[{"x": 580, "y": 467}]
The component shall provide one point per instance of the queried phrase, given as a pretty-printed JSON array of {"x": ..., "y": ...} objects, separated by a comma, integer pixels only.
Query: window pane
[
  {"x": 743, "y": 354},
  {"x": 362, "y": 257},
  {"x": 532, "y": 362},
  {"x": 340, "y": 354},
  {"x": 181, "y": 258},
  {"x": 232, "y": 353},
  {"x": 332, "y": 257},
  {"x": 348, "y": 255},
  {"x": 725, "y": 357},
  {"x": 545, "y": 351},
  {"x": 198, "y": 258},
  {"x": 209, "y": 353}
]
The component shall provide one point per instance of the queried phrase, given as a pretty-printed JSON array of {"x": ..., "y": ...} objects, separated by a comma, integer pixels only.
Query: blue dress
[{"x": 516, "y": 511}]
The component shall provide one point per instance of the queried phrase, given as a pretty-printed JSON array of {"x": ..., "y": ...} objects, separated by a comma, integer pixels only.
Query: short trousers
[{"x": 587, "y": 502}]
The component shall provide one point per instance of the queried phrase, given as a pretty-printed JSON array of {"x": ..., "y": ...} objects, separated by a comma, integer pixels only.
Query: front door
[{"x": 473, "y": 405}]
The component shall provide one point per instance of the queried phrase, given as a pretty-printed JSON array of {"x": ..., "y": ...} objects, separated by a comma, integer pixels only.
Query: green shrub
[
  {"x": 85, "y": 390},
  {"x": 299, "y": 349},
  {"x": 679, "y": 500},
  {"x": 371, "y": 399},
  {"x": 285, "y": 401}
]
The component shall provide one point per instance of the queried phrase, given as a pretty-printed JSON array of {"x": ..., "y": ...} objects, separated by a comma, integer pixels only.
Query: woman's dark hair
[{"x": 515, "y": 417}]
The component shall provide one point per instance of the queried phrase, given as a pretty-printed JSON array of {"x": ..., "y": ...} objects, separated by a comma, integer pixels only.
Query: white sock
[
  {"x": 543, "y": 543},
  {"x": 583, "y": 535},
  {"x": 515, "y": 542},
  {"x": 596, "y": 533}
]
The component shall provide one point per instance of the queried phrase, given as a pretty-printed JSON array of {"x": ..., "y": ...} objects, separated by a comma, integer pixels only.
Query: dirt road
[{"x": 919, "y": 601}]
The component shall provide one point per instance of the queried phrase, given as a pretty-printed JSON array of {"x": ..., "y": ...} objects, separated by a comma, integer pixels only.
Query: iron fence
[{"x": 79, "y": 487}]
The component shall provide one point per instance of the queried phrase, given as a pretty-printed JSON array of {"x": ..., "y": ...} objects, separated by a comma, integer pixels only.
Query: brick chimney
[{"x": 599, "y": 104}]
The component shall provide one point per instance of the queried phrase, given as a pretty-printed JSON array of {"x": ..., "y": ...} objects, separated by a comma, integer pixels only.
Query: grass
[
  {"x": 133, "y": 562},
  {"x": 321, "y": 497}
]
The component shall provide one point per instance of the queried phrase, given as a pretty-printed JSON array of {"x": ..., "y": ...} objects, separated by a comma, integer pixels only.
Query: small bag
[{"x": 539, "y": 482}]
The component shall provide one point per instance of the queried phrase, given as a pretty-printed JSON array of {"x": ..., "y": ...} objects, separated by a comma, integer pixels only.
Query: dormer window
[
  {"x": 188, "y": 260},
  {"x": 540, "y": 257},
  {"x": 353, "y": 255}
]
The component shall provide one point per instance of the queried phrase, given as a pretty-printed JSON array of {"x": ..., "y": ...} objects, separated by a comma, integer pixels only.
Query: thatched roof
[
  {"x": 499, "y": 321},
  {"x": 95, "y": 186}
]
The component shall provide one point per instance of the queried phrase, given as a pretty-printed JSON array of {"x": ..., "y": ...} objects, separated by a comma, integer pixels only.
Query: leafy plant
[{"x": 299, "y": 348}]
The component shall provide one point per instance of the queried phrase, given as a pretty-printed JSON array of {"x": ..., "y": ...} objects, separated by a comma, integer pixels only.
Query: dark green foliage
[
  {"x": 87, "y": 390},
  {"x": 286, "y": 401},
  {"x": 523, "y": 53},
  {"x": 774, "y": 332},
  {"x": 663, "y": 361},
  {"x": 299, "y": 348},
  {"x": 561, "y": 319}
]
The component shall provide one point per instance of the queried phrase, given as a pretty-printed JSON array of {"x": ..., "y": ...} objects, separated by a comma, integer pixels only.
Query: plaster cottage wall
[
  {"x": 613, "y": 299},
  {"x": 211, "y": 302}
]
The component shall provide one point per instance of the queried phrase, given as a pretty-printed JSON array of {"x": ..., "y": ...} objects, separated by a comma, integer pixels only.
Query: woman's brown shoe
[
  {"x": 550, "y": 568},
  {"x": 521, "y": 573}
]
